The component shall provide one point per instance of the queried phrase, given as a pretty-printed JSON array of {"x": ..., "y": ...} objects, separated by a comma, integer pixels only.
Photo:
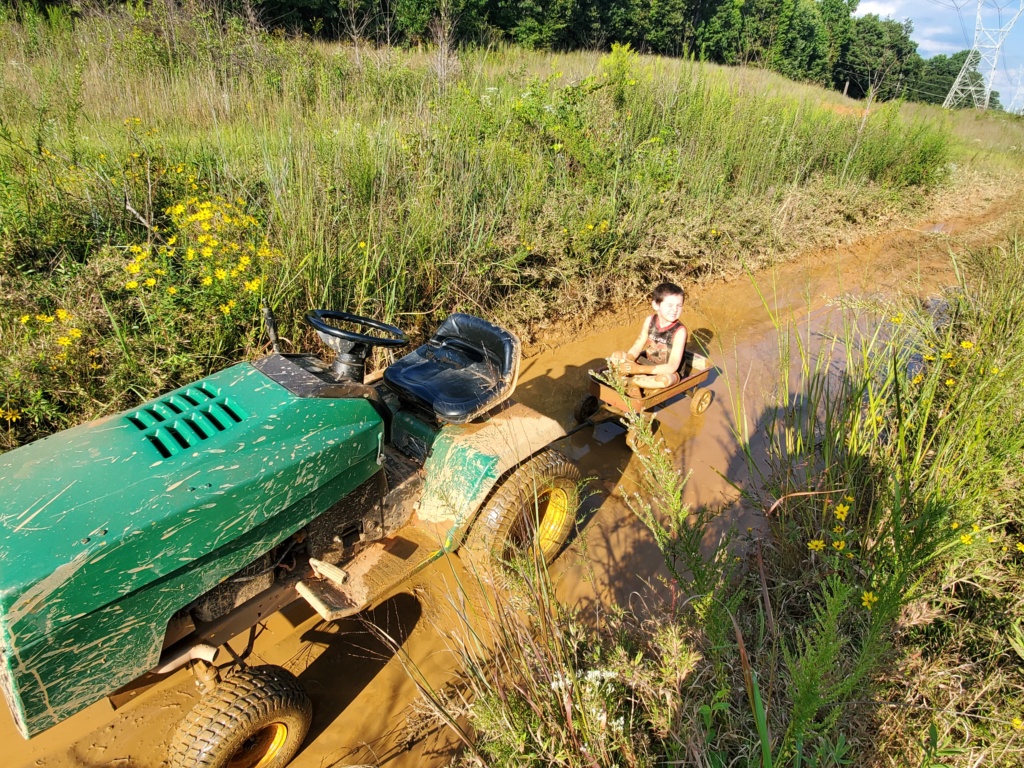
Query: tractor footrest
[
  {"x": 326, "y": 599},
  {"x": 371, "y": 575}
]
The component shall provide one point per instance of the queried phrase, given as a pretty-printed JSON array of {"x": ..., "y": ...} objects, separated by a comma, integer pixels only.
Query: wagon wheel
[
  {"x": 534, "y": 507},
  {"x": 701, "y": 400},
  {"x": 586, "y": 407},
  {"x": 256, "y": 717}
]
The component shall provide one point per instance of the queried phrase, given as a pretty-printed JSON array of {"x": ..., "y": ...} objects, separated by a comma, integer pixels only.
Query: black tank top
[{"x": 659, "y": 341}]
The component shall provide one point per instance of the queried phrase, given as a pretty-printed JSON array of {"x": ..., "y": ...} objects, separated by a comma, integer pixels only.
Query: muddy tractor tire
[
  {"x": 701, "y": 401},
  {"x": 586, "y": 407},
  {"x": 256, "y": 717},
  {"x": 535, "y": 506}
]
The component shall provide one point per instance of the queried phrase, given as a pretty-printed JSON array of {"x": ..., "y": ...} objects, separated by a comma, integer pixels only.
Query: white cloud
[
  {"x": 934, "y": 31},
  {"x": 879, "y": 7},
  {"x": 928, "y": 46}
]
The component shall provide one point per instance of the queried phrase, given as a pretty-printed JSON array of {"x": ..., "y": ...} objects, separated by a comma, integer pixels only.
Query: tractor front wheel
[
  {"x": 256, "y": 717},
  {"x": 535, "y": 506}
]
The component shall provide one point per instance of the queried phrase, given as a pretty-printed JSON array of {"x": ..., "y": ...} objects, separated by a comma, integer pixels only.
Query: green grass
[{"x": 528, "y": 186}]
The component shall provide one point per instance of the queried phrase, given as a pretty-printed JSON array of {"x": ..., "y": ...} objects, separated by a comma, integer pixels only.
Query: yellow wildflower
[
  {"x": 190, "y": 254},
  {"x": 24, "y": 319},
  {"x": 842, "y": 510},
  {"x": 947, "y": 355},
  {"x": 171, "y": 290},
  {"x": 966, "y": 538},
  {"x": 897, "y": 319},
  {"x": 954, "y": 525},
  {"x": 45, "y": 318},
  {"x": 838, "y": 529},
  {"x": 133, "y": 268},
  {"x": 131, "y": 285},
  {"x": 64, "y": 341},
  {"x": 207, "y": 280},
  {"x": 995, "y": 370},
  {"x": 172, "y": 239},
  {"x": 868, "y": 599},
  {"x": 930, "y": 358},
  {"x": 253, "y": 285},
  {"x": 362, "y": 244},
  {"x": 11, "y": 415},
  {"x": 207, "y": 252},
  {"x": 225, "y": 309},
  {"x": 75, "y": 333},
  {"x": 950, "y": 382},
  {"x": 967, "y": 344},
  {"x": 1018, "y": 724},
  {"x": 63, "y": 315},
  {"x": 220, "y": 273},
  {"x": 839, "y": 546},
  {"x": 1020, "y": 547},
  {"x": 150, "y": 282},
  {"x": 816, "y": 545},
  {"x": 917, "y": 379}
]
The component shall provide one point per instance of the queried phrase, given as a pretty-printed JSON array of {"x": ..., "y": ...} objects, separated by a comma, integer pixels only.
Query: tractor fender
[{"x": 466, "y": 461}]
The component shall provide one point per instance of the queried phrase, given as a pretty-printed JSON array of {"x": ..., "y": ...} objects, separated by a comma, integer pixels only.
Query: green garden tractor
[{"x": 140, "y": 543}]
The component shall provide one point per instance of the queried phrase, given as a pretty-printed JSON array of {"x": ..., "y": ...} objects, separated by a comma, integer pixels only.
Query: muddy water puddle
[{"x": 357, "y": 671}]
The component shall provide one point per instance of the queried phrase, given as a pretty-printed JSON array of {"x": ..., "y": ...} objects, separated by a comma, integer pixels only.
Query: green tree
[{"x": 881, "y": 61}]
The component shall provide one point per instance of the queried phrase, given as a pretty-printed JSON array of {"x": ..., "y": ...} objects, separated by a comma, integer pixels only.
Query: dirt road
[{"x": 365, "y": 703}]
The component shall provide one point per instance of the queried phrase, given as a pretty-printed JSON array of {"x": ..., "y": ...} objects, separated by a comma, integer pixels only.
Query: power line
[{"x": 982, "y": 59}]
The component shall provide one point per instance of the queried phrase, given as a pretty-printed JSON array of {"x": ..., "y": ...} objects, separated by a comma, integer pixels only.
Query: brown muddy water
[{"x": 365, "y": 703}]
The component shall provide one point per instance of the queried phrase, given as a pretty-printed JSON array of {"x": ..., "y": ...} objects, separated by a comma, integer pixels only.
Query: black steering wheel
[
  {"x": 317, "y": 319},
  {"x": 352, "y": 348}
]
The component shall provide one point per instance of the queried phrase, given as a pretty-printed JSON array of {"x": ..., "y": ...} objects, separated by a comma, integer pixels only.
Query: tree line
[{"x": 818, "y": 41}]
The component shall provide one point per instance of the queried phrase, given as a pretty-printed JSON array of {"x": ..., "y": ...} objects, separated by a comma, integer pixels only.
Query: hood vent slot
[{"x": 183, "y": 420}]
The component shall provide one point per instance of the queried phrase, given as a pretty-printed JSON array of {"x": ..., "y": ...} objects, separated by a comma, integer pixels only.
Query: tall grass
[
  {"x": 529, "y": 186},
  {"x": 879, "y": 620}
]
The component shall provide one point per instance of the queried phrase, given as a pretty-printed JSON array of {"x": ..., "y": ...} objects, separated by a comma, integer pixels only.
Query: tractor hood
[{"x": 99, "y": 511}]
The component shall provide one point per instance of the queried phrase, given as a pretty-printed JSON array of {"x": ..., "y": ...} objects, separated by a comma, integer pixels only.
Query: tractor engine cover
[{"x": 110, "y": 528}]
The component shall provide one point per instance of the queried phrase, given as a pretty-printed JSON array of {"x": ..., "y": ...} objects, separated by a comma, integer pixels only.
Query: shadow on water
[{"x": 353, "y": 655}]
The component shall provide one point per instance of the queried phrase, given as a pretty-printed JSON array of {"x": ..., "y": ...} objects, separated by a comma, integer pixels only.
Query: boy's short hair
[{"x": 664, "y": 290}]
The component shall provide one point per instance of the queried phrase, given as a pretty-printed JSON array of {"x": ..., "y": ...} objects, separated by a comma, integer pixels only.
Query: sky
[{"x": 940, "y": 28}]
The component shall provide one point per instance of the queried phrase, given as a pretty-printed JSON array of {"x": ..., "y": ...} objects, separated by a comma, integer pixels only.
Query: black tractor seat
[{"x": 467, "y": 368}]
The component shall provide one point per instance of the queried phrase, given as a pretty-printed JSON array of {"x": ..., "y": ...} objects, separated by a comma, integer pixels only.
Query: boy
[{"x": 654, "y": 360}]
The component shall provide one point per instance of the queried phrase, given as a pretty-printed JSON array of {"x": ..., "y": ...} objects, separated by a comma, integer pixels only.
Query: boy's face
[{"x": 669, "y": 309}]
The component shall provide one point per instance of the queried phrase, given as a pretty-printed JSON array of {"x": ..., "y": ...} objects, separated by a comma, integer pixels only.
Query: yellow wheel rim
[
  {"x": 260, "y": 749},
  {"x": 552, "y": 510}
]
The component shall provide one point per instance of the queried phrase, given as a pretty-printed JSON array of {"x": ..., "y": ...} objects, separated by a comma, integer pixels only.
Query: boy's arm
[{"x": 640, "y": 343}]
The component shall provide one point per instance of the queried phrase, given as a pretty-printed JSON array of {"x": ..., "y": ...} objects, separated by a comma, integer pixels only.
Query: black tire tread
[
  {"x": 246, "y": 696},
  {"x": 516, "y": 493}
]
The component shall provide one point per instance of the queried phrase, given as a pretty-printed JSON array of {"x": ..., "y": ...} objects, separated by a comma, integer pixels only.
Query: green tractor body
[
  {"x": 131, "y": 544},
  {"x": 112, "y": 527}
]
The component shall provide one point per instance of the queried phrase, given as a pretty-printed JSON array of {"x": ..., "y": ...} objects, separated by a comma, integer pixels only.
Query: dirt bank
[{"x": 362, "y": 693}]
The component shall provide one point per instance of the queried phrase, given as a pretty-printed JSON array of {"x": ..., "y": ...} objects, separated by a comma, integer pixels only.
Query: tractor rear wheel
[
  {"x": 534, "y": 507},
  {"x": 256, "y": 717}
]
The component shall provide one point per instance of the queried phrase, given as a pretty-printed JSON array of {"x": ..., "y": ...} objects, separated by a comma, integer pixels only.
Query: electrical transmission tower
[
  {"x": 981, "y": 61},
  {"x": 1017, "y": 105}
]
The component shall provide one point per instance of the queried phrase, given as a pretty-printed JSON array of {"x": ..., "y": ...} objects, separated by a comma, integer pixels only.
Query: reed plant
[{"x": 528, "y": 186}]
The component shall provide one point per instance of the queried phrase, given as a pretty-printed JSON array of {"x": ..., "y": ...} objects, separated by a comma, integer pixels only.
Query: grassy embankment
[{"x": 161, "y": 173}]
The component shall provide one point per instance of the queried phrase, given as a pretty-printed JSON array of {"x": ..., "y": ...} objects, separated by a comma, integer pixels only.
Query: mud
[{"x": 356, "y": 670}]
